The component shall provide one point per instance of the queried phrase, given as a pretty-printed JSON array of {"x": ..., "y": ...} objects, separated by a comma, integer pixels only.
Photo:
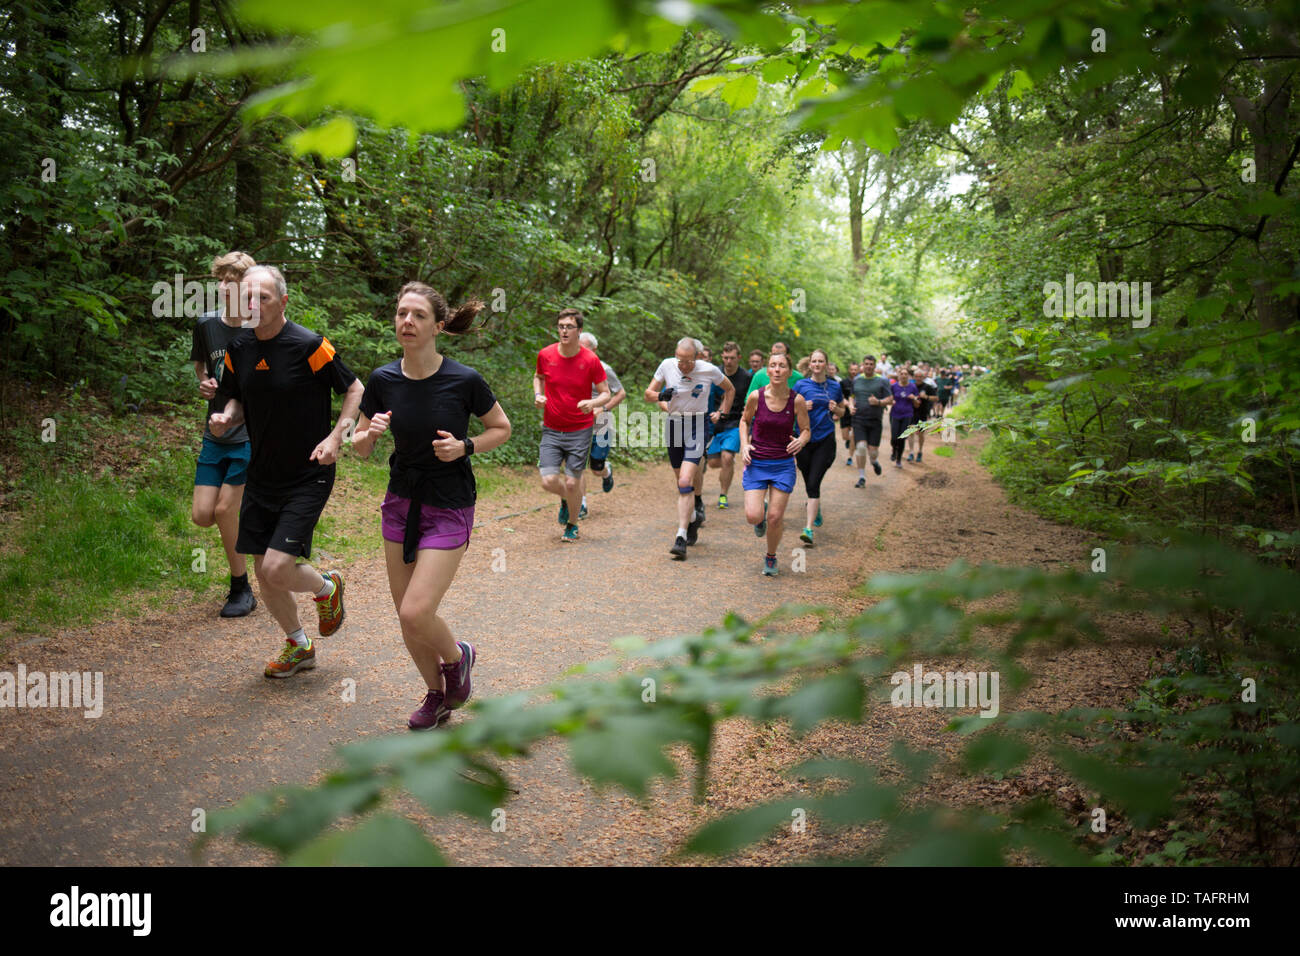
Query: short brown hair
[
  {"x": 232, "y": 265},
  {"x": 730, "y": 347},
  {"x": 570, "y": 313}
]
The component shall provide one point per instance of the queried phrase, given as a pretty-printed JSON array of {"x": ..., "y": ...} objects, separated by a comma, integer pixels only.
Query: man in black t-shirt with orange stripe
[{"x": 279, "y": 380}]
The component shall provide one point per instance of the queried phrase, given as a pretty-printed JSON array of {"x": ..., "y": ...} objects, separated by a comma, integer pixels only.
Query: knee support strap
[{"x": 686, "y": 489}]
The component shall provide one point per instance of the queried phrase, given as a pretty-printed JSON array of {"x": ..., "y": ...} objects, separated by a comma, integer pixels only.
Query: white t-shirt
[
  {"x": 690, "y": 391},
  {"x": 615, "y": 386}
]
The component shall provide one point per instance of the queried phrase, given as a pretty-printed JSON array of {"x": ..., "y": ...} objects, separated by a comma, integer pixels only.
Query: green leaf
[
  {"x": 998, "y": 753},
  {"x": 625, "y": 750},
  {"x": 837, "y": 696},
  {"x": 738, "y": 830},
  {"x": 740, "y": 92},
  {"x": 943, "y": 451},
  {"x": 338, "y": 137},
  {"x": 1144, "y": 793},
  {"x": 380, "y": 840},
  {"x": 952, "y": 848},
  {"x": 440, "y": 785}
]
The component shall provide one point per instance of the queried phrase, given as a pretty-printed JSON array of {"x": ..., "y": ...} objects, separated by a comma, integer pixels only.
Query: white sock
[
  {"x": 681, "y": 532},
  {"x": 327, "y": 588},
  {"x": 584, "y": 501},
  {"x": 298, "y": 638},
  {"x": 862, "y": 472}
]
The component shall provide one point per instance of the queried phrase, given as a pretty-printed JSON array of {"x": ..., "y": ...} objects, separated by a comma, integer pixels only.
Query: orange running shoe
[
  {"x": 291, "y": 660},
  {"x": 330, "y": 609}
]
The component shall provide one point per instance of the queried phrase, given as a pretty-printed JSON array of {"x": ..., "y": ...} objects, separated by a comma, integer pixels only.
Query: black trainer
[
  {"x": 693, "y": 531},
  {"x": 876, "y": 466},
  {"x": 239, "y": 603},
  {"x": 678, "y": 550},
  {"x": 860, "y": 483}
]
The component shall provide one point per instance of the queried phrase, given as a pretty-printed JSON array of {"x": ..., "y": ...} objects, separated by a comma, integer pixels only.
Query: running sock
[
  {"x": 327, "y": 588},
  {"x": 239, "y": 583},
  {"x": 773, "y": 556},
  {"x": 699, "y": 501},
  {"x": 862, "y": 472},
  {"x": 584, "y": 501},
  {"x": 681, "y": 532},
  {"x": 298, "y": 638}
]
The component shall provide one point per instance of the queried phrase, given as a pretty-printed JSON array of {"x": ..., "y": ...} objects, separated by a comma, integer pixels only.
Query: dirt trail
[{"x": 190, "y": 722}]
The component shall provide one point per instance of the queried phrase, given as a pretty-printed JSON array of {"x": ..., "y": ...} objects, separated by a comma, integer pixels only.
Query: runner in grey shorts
[{"x": 564, "y": 449}]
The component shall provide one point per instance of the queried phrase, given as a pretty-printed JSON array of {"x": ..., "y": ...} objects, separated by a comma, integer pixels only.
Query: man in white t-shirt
[
  {"x": 683, "y": 383},
  {"x": 603, "y": 431}
]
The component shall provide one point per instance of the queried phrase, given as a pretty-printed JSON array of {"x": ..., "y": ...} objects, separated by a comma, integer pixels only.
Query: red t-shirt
[{"x": 567, "y": 381}]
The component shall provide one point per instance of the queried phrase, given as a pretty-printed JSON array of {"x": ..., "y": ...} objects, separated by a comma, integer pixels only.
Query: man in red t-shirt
[{"x": 562, "y": 384}]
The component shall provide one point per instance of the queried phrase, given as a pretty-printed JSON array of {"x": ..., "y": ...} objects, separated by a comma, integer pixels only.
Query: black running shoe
[
  {"x": 607, "y": 483},
  {"x": 876, "y": 466},
  {"x": 239, "y": 603},
  {"x": 860, "y": 483},
  {"x": 693, "y": 532},
  {"x": 678, "y": 550}
]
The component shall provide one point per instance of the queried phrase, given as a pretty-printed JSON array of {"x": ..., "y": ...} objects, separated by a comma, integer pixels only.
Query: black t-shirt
[
  {"x": 421, "y": 407},
  {"x": 284, "y": 384},
  {"x": 210, "y": 341},
  {"x": 740, "y": 380},
  {"x": 922, "y": 411}
]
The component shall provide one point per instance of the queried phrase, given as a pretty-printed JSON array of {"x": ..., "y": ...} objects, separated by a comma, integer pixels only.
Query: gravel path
[{"x": 190, "y": 722}]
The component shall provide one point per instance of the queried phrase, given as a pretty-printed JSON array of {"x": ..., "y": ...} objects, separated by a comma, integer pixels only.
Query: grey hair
[
  {"x": 589, "y": 340},
  {"x": 693, "y": 343},
  {"x": 280, "y": 288}
]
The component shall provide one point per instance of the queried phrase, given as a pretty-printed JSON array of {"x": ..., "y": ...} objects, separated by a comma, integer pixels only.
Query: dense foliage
[{"x": 929, "y": 179}]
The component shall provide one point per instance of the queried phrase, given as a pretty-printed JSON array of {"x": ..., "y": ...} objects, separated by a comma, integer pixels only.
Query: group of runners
[{"x": 267, "y": 462}]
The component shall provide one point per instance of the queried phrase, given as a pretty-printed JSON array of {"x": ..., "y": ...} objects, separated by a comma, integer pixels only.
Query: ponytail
[{"x": 455, "y": 323}]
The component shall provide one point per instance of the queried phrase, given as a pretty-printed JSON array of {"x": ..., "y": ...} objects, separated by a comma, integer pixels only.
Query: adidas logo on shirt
[{"x": 261, "y": 366}]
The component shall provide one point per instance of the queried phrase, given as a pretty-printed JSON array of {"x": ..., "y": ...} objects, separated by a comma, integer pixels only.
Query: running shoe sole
[
  {"x": 678, "y": 550},
  {"x": 306, "y": 664}
]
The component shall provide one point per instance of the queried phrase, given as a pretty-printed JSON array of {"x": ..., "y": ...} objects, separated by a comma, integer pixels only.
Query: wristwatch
[{"x": 469, "y": 447}]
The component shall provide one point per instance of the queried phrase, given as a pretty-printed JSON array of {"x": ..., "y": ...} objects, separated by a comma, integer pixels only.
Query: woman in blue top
[
  {"x": 906, "y": 399},
  {"x": 825, "y": 404}
]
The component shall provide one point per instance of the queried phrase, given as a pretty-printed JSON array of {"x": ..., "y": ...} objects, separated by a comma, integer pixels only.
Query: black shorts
[
  {"x": 867, "y": 430},
  {"x": 282, "y": 521},
  {"x": 686, "y": 439},
  {"x": 846, "y": 421}
]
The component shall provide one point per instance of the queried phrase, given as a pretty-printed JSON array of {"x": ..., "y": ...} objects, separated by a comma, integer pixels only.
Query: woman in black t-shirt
[{"x": 425, "y": 400}]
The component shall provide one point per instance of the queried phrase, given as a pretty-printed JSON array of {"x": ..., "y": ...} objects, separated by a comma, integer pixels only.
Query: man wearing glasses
[{"x": 562, "y": 388}]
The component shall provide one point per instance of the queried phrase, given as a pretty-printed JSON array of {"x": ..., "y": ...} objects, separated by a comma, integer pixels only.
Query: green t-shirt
[{"x": 760, "y": 379}]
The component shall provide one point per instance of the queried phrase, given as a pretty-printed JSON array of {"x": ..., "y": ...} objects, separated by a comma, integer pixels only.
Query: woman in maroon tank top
[{"x": 768, "y": 447}]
